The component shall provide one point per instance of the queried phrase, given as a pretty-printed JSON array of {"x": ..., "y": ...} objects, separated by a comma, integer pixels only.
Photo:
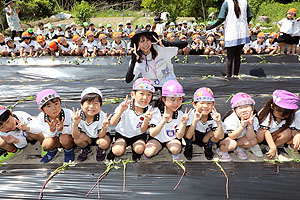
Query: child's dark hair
[
  {"x": 40, "y": 24},
  {"x": 52, "y": 100},
  {"x": 90, "y": 97},
  {"x": 161, "y": 105},
  {"x": 231, "y": 111},
  {"x": 269, "y": 107},
  {"x": 153, "y": 51},
  {"x": 4, "y": 116}
]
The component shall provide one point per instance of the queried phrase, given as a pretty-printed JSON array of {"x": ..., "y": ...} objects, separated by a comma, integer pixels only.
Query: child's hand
[
  {"x": 52, "y": 125},
  {"x": 105, "y": 122},
  {"x": 296, "y": 141},
  {"x": 124, "y": 105},
  {"x": 185, "y": 118},
  {"x": 60, "y": 124},
  {"x": 197, "y": 115},
  {"x": 251, "y": 119},
  {"x": 22, "y": 126},
  {"x": 9, "y": 139},
  {"x": 271, "y": 153},
  {"x": 158, "y": 41},
  {"x": 76, "y": 117},
  {"x": 215, "y": 115},
  {"x": 166, "y": 117},
  {"x": 148, "y": 114}
]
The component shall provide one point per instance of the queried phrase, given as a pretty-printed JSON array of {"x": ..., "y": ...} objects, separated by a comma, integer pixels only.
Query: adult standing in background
[
  {"x": 237, "y": 15},
  {"x": 12, "y": 18}
]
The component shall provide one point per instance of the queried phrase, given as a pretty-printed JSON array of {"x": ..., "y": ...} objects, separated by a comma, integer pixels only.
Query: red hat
[
  {"x": 60, "y": 39},
  {"x": 76, "y": 38},
  {"x": 53, "y": 46},
  {"x": 292, "y": 10},
  {"x": 40, "y": 38}
]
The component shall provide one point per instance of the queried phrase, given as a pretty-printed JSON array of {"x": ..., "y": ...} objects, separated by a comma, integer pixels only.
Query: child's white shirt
[
  {"x": 93, "y": 128},
  {"x": 21, "y": 135},
  {"x": 209, "y": 125},
  {"x": 14, "y": 50},
  {"x": 104, "y": 47},
  {"x": 68, "y": 122},
  {"x": 261, "y": 46},
  {"x": 232, "y": 122},
  {"x": 275, "y": 44},
  {"x": 67, "y": 48},
  {"x": 91, "y": 45},
  {"x": 168, "y": 131},
  {"x": 41, "y": 32},
  {"x": 116, "y": 46},
  {"x": 27, "y": 47},
  {"x": 274, "y": 125},
  {"x": 286, "y": 26},
  {"x": 130, "y": 122}
]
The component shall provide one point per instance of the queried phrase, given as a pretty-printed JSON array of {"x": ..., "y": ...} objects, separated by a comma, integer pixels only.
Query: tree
[
  {"x": 255, "y": 6},
  {"x": 82, "y": 12}
]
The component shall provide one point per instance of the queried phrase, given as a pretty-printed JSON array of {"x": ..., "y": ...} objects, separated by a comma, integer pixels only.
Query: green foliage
[
  {"x": 82, "y": 12},
  {"x": 35, "y": 9}
]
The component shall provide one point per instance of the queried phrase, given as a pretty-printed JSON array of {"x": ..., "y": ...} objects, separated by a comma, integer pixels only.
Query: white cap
[{"x": 90, "y": 90}]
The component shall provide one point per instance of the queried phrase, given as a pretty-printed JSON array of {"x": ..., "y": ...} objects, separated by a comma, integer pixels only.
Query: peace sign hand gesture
[
  {"x": 135, "y": 50},
  {"x": 60, "y": 124},
  {"x": 22, "y": 126},
  {"x": 52, "y": 125},
  {"x": 215, "y": 115},
  {"x": 185, "y": 118},
  {"x": 251, "y": 119},
  {"x": 158, "y": 41},
  {"x": 76, "y": 116},
  {"x": 105, "y": 122},
  {"x": 124, "y": 105},
  {"x": 148, "y": 114}
]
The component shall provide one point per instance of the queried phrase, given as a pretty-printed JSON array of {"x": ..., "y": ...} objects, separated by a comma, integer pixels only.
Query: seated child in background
[
  {"x": 53, "y": 46},
  {"x": 109, "y": 31},
  {"x": 130, "y": 48},
  {"x": 91, "y": 44},
  {"x": 59, "y": 31},
  {"x": 118, "y": 46},
  {"x": 271, "y": 44},
  {"x": 256, "y": 30},
  {"x": 41, "y": 30},
  {"x": 172, "y": 28},
  {"x": 221, "y": 46},
  {"x": 79, "y": 47},
  {"x": 64, "y": 47},
  {"x": 185, "y": 50},
  {"x": 101, "y": 30},
  {"x": 51, "y": 34},
  {"x": 247, "y": 49},
  {"x": 241, "y": 125},
  {"x": 171, "y": 37},
  {"x": 15, "y": 129},
  {"x": 3, "y": 47},
  {"x": 57, "y": 125},
  {"x": 128, "y": 29},
  {"x": 275, "y": 119},
  {"x": 13, "y": 50},
  {"x": 74, "y": 29},
  {"x": 259, "y": 45},
  {"x": 148, "y": 27},
  {"x": 104, "y": 46},
  {"x": 90, "y": 125},
  {"x": 210, "y": 44},
  {"x": 85, "y": 29},
  {"x": 204, "y": 125},
  {"x": 27, "y": 46},
  {"x": 132, "y": 119},
  {"x": 68, "y": 32},
  {"x": 121, "y": 30},
  {"x": 168, "y": 123},
  {"x": 31, "y": 33},
  {"x": 42, "y": 47},
  {"x": 92, "y": 28},
  {"x": 197, "y": 45}
]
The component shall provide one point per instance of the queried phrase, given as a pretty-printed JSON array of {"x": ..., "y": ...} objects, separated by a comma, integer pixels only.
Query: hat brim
[
  {"x": 8, "y": 2},
  {"x": 138, "y": 34}
]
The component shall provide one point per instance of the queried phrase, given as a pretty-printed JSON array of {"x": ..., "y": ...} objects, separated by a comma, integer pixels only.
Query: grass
[{"x": 118, "y": 13}]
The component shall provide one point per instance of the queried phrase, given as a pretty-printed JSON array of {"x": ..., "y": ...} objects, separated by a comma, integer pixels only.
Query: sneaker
[
  {"x": 100, "y": 156},
  {"x": 209, "y": 155},
  {"x": 110, "y": 156},
  {"x": 136, "y": 157},
  {"x": 293, "y": 153},
  {"x": 241, "y": 153},
  {"x": 256, "y": 150},
  {"x": 49, "y": 156},
  {"x": 83, "y": 154},
  {"x": 69, "y": 155},
  {"x": 188, "y": 152},
  {"x": 224, "y": 155},
  {"x": 8, "y": 155},
  {"x": 43, "y": 153},
  {"x": 175, "y": 156}
]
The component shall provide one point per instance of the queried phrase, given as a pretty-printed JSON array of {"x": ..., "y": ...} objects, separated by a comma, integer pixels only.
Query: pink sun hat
[
  {"x": 285, "y": 99},
  {"x": 2, "y": 109},
  {"x": 172, "y": 88},
  {"x": 44, "y": 96},
  {"x": 143, "y": 84},
  {"x": 204, "y": 94},
  {"x": 241, "y": 99}
]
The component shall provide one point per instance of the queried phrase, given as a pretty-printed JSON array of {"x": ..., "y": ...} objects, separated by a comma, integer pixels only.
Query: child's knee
[
  {"x": 139, "y": 149},
  {"x": 118, "y": 150}
]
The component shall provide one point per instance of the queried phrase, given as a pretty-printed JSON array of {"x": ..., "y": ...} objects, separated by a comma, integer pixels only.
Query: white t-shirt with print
[
  {"x": 232, "y": 122},
  {"x": 104, "y": 47},
  {"x": 130, "y": 122},
  {"x": 116, "y": 46},
  {"x": 66, "y": 48},
  {"x": 16, "y": 49},
  {"x": 261, "y": 46},
  {"x": 168, "y": 131},
  {"x": 286, "y": 26},
  {"x": 93, "y": 128},
  {"x": 275, "y": 44},
  {"x": 91, "y": 45},
  {"x": 159, "y": 70},
  {"x": 28, "y": 46},
  {"x": 68, "y": 122}
]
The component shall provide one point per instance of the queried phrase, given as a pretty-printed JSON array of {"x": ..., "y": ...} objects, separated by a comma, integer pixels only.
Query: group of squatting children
[{"x": 148, "y": 129}]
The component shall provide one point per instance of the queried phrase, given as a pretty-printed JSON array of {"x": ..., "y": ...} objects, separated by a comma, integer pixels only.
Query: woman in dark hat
[
  {"x": 152, "y": 58},
  {"x": 12, "y": 18}
]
